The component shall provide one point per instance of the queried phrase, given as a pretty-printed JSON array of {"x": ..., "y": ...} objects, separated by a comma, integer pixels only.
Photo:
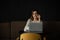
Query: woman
[{"x": 35, "y": 18}]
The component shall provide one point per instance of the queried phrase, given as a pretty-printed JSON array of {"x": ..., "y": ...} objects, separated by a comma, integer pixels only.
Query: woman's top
[{"x": 26, "y": 29}]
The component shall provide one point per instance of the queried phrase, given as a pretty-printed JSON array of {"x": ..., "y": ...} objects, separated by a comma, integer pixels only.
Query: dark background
[{"x": 17, "y": 10}]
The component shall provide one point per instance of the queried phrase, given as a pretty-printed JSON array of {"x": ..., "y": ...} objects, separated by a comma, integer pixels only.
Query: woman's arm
[{"x": 27, "y": 25}]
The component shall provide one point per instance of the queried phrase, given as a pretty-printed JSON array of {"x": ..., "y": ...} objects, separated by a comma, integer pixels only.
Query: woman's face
[{"x": 34, "y": 14}]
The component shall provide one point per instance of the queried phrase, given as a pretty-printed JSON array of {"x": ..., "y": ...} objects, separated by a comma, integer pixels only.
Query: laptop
[{"x": 36, "y": 27}]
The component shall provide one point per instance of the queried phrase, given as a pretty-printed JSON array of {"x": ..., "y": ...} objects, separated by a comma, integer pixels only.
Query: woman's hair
[{"x": 32, "y": 14}]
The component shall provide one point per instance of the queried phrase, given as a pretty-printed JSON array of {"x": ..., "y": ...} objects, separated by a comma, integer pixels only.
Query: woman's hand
[{"x": 38, "y": 16}]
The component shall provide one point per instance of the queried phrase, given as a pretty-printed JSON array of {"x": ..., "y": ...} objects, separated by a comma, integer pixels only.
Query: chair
[
  {"x": 30, "y": 36},
  {"x": 17, "y": 38}
]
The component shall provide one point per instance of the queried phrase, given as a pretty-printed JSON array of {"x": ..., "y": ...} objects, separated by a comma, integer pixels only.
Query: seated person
[{"x": 35, "y": 18}]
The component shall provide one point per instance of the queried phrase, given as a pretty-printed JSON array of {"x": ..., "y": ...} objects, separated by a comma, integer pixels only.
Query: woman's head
[{"x": 35, "y": 14}]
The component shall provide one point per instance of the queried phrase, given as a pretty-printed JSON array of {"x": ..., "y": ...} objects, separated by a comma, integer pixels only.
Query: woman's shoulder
[
  {"x": 41, "y": 21},
  {"x": 29, "y": 19}
]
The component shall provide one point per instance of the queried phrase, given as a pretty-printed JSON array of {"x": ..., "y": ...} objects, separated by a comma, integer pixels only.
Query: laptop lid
[{"x": 36, "y": 27}]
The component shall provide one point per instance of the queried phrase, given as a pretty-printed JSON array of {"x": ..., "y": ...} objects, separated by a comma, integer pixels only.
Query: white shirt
[{"x": 27, "y": 25}]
